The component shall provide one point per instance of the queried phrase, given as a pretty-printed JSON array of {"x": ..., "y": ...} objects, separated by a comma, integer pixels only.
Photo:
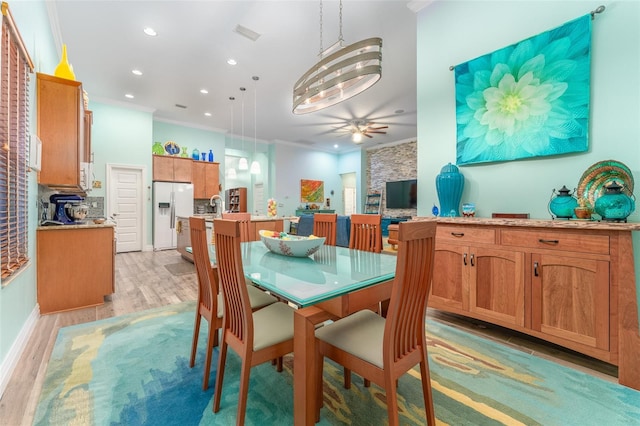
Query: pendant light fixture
[
  {"x": 340, "y": 74},
  {"x": 255, "y": 166},
  {"x": 243, "y": 164},
  {"x": 231, "y": 173}
]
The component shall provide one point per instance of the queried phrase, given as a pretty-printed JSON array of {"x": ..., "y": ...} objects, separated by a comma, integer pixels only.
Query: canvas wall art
[
  {"x": 311, "y": 191},
  {"x": 526, "y": 100}
]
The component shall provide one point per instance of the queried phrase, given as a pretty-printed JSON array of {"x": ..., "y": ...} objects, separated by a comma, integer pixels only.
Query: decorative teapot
[
  {"x": 614, "y": 205},
  {"x": 562, "y": 203}
]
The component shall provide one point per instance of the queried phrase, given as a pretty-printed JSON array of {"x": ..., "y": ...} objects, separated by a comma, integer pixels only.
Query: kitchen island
[
  {"x": 258, "y": 223},
  {"x": 76, "y": 266}
]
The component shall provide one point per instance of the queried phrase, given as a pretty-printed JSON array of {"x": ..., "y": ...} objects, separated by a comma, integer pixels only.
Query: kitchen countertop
[
  {"x": 86, "y": 225},
  {"x": 539, "y": 223},
  {"x": 210, "y": 217}
]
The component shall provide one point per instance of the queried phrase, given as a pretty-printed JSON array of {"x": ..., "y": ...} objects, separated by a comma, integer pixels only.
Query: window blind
[{"x": 15, "y": 68}]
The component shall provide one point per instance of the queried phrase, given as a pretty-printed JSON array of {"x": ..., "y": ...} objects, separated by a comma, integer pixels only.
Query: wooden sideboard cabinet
[
  {"x": 167, "y": 168},
  {"x": 566, "y": 282},
  {"x": 61, "y": 128},
  {"x": 206, "y": 179}
]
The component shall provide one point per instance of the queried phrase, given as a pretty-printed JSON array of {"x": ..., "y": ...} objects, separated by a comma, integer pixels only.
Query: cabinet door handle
[
  {"x": 458, "y": 234},
  {"x": 473, "y": 259},
  {"x": 535, "y": 269},
  {"x": 464, "y": 259},
  {"x": 543, "y": 241}
]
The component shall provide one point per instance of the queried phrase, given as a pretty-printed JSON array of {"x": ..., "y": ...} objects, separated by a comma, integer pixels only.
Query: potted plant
[{"x": 584, "y": 209}]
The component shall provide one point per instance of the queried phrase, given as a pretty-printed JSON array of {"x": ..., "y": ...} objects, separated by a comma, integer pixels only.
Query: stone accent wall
[{"x": 392, "y": 163}]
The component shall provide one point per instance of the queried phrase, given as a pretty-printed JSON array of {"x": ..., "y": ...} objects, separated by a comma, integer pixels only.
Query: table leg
[{"x": 304, "y": 359}]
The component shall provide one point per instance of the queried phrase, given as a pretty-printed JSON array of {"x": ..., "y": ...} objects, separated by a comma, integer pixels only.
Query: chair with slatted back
[
  {"x": 257, "y": 337},
  {"x": 210, "y": 306},
  {"x": 325, "y": 225},
  {"x": 383, "y": 349},
  {"x": 245, "y": 220},
  {"x": 366, "y": 232}
]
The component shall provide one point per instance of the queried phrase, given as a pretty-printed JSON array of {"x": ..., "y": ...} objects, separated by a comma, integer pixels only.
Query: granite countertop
[
  {"x": 539, "y": 223},
  {"x": 210, "y": 217},
  {"x": 86, "y": 225}
]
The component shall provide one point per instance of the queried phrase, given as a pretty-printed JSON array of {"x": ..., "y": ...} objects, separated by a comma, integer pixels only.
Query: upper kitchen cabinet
[
  {"x": 206, "y": 179},
  {"x": 61, "y": 127},
  {"x": 171, "y": 169}
]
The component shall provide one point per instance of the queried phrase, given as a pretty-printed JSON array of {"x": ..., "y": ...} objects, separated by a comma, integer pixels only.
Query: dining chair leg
[
  {"x": 245, "y": 371},
  {"x": 279, "y": 364},
  {"x": 392, "y": 399},
  {"x": 427, "y": 392},
  {"x": 319, "y": 384},
  {"x": 211, "y": 337},
  {"x": 194, "y": 341},
  {"x": 222, "y": 358},
  {"x": 347, "y": 378}
]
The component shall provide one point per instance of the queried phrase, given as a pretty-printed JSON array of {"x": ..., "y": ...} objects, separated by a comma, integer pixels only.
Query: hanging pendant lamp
[
  {"x": 255, "y": 166},
  {"x": 243, "y": 164},
  {"x": 231, "y": 173},
  {"x": 340, "y": 75}
]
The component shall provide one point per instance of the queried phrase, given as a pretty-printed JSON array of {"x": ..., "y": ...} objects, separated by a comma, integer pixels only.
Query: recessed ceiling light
[
  {"x": 128, "y": 96},
  {"x": 232, "y": 61},
  {"x": 136, "y": 72},
  {"x": 208, "y": 114},
  {"x": 150, "y": 32},
  {"x": 336, "y": 146},
  {"x": 204, "y": 91}
]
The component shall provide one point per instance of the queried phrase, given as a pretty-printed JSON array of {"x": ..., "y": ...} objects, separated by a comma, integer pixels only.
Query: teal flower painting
[{"x": 527, "y": 100}]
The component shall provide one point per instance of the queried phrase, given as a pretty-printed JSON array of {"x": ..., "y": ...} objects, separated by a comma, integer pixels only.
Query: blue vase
[
  {"x": 211, "y": 156},
  {"x": 195, "y": 154},
  {"x": 449, "y": 185}
]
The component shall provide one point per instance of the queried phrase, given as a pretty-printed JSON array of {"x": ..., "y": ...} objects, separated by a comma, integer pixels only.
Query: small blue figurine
[{"x": 435, "y": 210}]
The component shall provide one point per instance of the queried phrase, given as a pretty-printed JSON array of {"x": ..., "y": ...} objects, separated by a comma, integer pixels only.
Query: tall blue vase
[{"x": 449, "y": 185}]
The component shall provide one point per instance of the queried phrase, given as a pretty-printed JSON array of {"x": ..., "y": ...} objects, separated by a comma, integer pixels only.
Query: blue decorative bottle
[
  {"x": 195, "y": 154},
  {"x": 211, "y": 156},
  {"x": 449, "y": 185}
]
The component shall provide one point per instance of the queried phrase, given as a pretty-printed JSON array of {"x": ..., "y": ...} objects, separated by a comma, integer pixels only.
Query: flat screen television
[{"x": 402, "y": 194}]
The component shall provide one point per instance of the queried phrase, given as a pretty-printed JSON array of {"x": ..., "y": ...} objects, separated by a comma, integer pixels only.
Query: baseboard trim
[{"x": 12, "y": 358}]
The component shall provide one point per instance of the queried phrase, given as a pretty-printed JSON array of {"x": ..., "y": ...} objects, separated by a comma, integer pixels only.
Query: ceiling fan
[{"x": 360, "y": 128}]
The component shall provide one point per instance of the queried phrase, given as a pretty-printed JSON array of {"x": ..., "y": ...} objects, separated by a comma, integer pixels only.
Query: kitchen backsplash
[{"x": 96, "y": 206}]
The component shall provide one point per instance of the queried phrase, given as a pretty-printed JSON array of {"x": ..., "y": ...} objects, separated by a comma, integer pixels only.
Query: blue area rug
[{"x": 133, "y": 370}]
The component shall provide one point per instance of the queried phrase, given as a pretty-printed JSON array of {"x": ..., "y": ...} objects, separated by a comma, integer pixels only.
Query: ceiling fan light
[
  {"x": 357, "y": 137},
  {"x": 243, "y": 164}
]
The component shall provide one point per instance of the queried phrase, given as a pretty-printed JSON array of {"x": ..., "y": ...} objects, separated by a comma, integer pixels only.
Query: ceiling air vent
[
  {"x": 246, "y": 32},
  {"x": 181, "y": 106}
]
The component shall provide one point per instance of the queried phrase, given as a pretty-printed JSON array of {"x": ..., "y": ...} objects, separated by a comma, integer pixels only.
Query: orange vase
[{"x": 64, "y": 68}]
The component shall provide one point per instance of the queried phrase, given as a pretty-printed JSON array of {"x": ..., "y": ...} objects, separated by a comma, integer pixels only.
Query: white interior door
[
  {"x": 125, "y": 205},
  {"x": 350, "y": 201},
  {"x": 259, "y": 204}
]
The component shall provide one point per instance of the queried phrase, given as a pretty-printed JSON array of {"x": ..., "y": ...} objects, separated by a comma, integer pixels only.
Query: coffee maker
[{"x": 69, "y": 209}]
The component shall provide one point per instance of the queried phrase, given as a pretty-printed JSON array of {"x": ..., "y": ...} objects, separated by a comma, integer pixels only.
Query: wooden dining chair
[
  {"x": 245, "y": 221},
  {"x": 366, "y": 232},
  {"x": 210, "y": 302},
  {"x": 383, "y": 349},
  {"x": 257, "y": 337},
  {"x": 326, "y": 225}
]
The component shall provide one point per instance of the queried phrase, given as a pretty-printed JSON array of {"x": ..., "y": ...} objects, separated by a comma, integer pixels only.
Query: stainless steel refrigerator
[{"x": 170, "y": 200}]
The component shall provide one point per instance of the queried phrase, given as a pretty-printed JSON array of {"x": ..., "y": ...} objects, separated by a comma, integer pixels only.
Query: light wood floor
[{"x": 142, "y": 282}]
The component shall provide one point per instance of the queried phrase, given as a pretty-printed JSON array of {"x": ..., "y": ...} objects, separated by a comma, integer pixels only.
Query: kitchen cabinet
[
  {"x": 571, "y": 283},
  {"x": 88, "y": 123},
  {"x": 236, "y": 200},
  {"x": 61, "y": 128},
  {"x": 76, "y": 266},
  {"x": 478, "y": 279},
  {"x": 167, "y": 168},
  {"x": 206, "y": 179}
]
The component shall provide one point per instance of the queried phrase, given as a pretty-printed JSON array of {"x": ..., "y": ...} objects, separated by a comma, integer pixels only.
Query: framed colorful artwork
[
  {"x": 311, "y": 191},
  {"x": 529, "y": 99}
]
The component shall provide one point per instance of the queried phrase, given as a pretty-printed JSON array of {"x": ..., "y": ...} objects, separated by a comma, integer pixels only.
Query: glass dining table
[{"x": 332, "y": 283}]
